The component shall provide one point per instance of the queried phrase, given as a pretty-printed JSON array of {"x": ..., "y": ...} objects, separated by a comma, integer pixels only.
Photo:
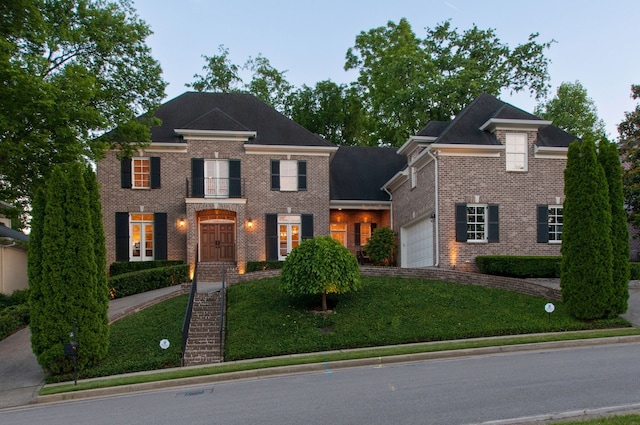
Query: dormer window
[{"x": 516, "y": 152}]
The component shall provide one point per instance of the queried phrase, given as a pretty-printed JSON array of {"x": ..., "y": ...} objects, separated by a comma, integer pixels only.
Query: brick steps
[
  {"x": 203, "y": 343},
  {"x": 212, "y": 271}
]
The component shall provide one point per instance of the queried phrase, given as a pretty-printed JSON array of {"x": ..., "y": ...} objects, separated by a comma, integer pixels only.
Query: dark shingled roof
[
  {"x": 230, "y": 112},
  {"x": 6, "y": 232},
  {"x": 465, "y": 127},
  {"x": 358, "y": 172}
]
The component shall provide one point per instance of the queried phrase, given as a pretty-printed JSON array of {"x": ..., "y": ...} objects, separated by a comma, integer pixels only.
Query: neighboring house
[
  {"x": 489, "y": 182},
  {"x": 13, "y": 256},
  {"x": 227, "y": 178}
]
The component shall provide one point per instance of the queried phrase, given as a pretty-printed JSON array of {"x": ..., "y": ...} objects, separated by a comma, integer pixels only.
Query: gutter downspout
[
  {"x": 391, "y": 211},
  {"x": 437, "y": 219}
]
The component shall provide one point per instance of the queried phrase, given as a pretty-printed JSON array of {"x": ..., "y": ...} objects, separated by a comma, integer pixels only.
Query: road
[{"x": 455, "y": 391}]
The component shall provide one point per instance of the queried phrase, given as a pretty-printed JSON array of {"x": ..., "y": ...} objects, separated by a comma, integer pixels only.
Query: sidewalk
[{"x": 21, "y": 377}]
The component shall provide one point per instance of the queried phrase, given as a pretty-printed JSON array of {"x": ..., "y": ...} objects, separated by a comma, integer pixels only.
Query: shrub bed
[
  {"x": 147, "y": 280},
  {"x": 123, "y": 267},
  {"x": 520, "y": 266},
  {"x": 257, "y": 266},
  {"x": 13, "y": 318},
  {"x": 634, "y": 269}
]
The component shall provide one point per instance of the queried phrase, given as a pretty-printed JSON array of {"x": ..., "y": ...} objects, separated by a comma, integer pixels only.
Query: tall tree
[
  {"x": 407, "y": 81},
  {"x": 267, "y": 83},
  {"x": 71, "y": 70},
  {"x": 574, "y": 111},
  {"x": 610, "y": 160},
  {"x": 629, "y": 130},
  {"x": 587, "y": 259},
  {"x": 68, "y": 290},
  {"x": 220, "y": 74},
  {"x": 330, "y": 110}
]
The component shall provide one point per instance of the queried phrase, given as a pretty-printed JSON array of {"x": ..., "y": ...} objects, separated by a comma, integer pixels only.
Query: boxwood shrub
[
  {"x": 122, "y": 267},
  {"x": 257, "y": 266},
  {"x": 634, "y": 269},
  {"x": 520, "y": 266},
  {"x": 146, "y": 280},
  {"x": 13, "y": 318}
]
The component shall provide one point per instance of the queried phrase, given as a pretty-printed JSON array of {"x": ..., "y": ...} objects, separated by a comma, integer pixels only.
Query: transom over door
[{"x": 217, "y": 242}]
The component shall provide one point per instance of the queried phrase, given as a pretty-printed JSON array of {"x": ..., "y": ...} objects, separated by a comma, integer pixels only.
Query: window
[
  {"x": 516, "y": 152},
  {"x": 363, "y": 233},
  {"x": 141, "y": 237},
  {"x": 339, "y": 232},
  {"x": 477, "y": 223},
  {"x": 550, "y": 221},
  {"x": 141, "y": 173},
  {"x": 289, "y": 234},
  {"x": 414, "y": 177},
  {"x": 288, "y": 175},
  {"x": 216, "y": 178}
]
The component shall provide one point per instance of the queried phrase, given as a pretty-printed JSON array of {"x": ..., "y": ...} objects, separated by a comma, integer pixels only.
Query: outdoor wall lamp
[
  {"x": 250, "y": 224},
  {"x": 182, "y": 223}
]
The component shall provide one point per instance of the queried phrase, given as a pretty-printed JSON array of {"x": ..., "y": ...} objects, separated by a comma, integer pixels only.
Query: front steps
[{"x": 204, "y": 340}]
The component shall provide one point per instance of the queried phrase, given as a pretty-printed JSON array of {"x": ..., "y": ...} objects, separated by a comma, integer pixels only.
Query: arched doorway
[{"x": 217, "y": 235}]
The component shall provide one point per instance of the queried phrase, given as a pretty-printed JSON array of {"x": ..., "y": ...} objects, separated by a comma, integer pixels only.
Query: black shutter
[
  {"x": 373, "y": 227},
  {"x": 125, "y": 173},
  {"x": 275, "y": 174},
  {"x": 543, "y": 224},
  {"x": 160, "y": 236},
  {"x": 461, "y": 222},
  {"x": 494, "y": 224},
  {"x": 122, "y": 236},
  {"x": 302, "y": 175},
  {"x": 356, "y": 228},
  {"x": 235, "y": 186},
  {"x": 197, "y": 177},
  {"x": 307, "y": 226},
  {"x": 154, "y": 163},
  {"x": 271, "y": 236}
]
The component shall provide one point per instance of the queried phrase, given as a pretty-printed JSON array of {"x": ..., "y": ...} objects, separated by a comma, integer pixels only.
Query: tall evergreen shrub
[
  {"x": 610, "y": 160},
  {"x": 37, "y": 321},
  {"x": 587, "y": 260}
]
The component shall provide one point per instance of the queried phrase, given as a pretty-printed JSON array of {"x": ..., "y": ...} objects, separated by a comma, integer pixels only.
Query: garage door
[{"x": 417, "y": 244}]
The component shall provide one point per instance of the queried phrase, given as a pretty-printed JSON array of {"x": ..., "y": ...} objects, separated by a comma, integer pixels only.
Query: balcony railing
[{"x": 213, "y": 187}]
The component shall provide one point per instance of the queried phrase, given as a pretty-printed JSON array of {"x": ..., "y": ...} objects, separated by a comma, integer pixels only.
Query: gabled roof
[
  {"x": 230, "y": 112},
  {"x": 471, "y": 126},
  {"x": 6, "y": 232},
  {"x": 358, "y": 172}
]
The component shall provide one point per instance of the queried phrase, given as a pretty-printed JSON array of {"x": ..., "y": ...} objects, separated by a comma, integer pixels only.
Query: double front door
[{"x": 217, "y": 242}]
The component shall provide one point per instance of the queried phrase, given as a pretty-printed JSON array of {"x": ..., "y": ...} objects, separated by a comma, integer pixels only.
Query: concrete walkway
[{"x": 21, "y": 377}]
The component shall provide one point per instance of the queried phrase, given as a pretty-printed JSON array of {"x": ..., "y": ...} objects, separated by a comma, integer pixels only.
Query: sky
[{"x": 309, "y": 39}]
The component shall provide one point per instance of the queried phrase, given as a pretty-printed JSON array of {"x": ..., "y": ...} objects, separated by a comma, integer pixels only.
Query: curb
[{"x": 326, "y": 367}]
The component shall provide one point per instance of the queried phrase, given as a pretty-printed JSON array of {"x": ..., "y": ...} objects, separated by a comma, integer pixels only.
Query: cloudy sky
[{"x": 309, "y": 38}]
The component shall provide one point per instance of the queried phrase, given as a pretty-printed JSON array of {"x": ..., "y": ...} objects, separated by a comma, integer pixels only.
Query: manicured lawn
[
  {"x": 134, "y": 343},
  {"x": 612, "y": 420},
  {"x": 262, "y": 322}
]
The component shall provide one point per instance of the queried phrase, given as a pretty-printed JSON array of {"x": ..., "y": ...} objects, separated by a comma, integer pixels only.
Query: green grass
[
  {"x": 134, "y": 343},
  {"x": 611, "y": 420},
  {"x": 263, "y": 322}
]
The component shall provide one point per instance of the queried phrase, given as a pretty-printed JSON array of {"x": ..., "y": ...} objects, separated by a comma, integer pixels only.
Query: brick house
[
  {"x": 489, "y": 182},
  {"x": 13, "y": 255}
]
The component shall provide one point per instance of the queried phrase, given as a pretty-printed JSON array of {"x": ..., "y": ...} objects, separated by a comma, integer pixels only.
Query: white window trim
[
  {"x": 517, "y": 138},
  {"x": 133, "y": 172},
  {"x": 142, "y": 223},
  {"x": 486, "y": 223},
  {"x": 554, "y": 241},
  {"x": 288, "y": 220},
  {"x": 293, "y": 165},
  {"x": 221, "y": 187},
  {"x": 341, "y": 231}
]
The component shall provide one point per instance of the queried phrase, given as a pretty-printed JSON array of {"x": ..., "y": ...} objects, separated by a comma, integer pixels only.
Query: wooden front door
[{"x": 217, "y": 242}]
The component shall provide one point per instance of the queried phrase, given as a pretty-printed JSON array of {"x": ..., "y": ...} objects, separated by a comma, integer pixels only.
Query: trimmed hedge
[
  {"x": 634, "y": 269},
  {"x": 13, "y": 318},
  {"x": 520, "y": 266},
  {"x": 258, "y": 266},
  {"x": 146, "y": 280},
  {"x": 122, "y": 267}
]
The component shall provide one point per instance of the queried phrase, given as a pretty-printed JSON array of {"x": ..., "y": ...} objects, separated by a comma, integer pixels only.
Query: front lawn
[{"x": 262, "y": 321}]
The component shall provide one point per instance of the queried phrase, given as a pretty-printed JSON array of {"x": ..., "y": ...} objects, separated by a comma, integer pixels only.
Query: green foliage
[
  {"x": 261, "y": 321},
  {"x": 13, "y": 318},
  {"x": 257, "y": 266},
  {"x": 134, "y": 342},
  {"x": 66, "y": 290},
  {"x": 136, "y": 282},
  {"x": 587, "y": 255},
  {"x": 320, "y": 266},
  {"x": 382, "y": 245},
  {"x": 520, "y": 266},
  {"x": 573, "y": 111},
  {"x": 132, "y": 266},
  {"x": 629, "y": 130},
  {"x": 610, "y": 160},
  {"x": 71, "y": 69},
  {"x": 634, "y": 271},
  {"x": 406, "y": 81}
]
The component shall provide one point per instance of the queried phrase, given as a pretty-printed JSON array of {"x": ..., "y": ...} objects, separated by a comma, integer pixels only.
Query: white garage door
[{"x": 417, "y": 244}]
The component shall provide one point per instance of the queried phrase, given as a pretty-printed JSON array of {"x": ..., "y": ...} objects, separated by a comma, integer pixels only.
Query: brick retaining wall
[{"x": 521, "y": 286}]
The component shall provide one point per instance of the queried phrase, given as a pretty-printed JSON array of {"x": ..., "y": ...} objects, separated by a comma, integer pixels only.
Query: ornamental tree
[
  {"x": 381, "y": 246},
  {"x": 321, "y": 265}
]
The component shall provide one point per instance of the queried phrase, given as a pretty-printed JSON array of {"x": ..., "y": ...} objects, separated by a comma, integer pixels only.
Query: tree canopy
[
  {"x": 72, "y": 70},
  {"x": 629, "y": 130},
  {"x": 573, "y": 110}
]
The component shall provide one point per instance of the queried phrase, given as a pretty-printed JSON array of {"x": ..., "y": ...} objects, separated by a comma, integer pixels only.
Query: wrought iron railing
[
  {"x": 186, "y": 323},
  {"x": 223, "y": 292},
  {"x": 213, "y": 187}
]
